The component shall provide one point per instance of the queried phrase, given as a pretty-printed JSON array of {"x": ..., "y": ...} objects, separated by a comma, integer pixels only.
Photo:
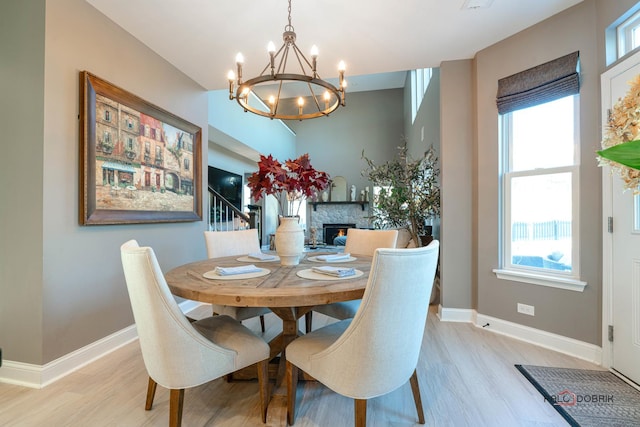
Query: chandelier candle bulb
[
  {"x": 314, "y": 60},
  {"x": 231, "y": 77},
  {"x": 239, "y": 62},
  {"x": 271, "y": 48},
  {"x": 272, "y": 104}
]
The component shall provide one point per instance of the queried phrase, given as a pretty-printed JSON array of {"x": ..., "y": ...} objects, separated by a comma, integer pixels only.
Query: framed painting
[{"x": 139, "y": 163}]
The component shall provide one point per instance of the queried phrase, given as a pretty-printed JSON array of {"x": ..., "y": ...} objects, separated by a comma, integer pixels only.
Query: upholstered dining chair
[
  {"x": 377, "y": 351},
  {"x": 178, "y": 354},
  {"x": 231, "y": 243},
  {"x": 363, "y": 242}
]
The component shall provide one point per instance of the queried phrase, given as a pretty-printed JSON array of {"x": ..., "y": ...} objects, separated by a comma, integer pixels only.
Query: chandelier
[{"x": 280, "y": 94}]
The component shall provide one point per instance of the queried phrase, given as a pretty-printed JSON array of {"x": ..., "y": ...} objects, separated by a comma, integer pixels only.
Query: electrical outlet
[{"x": 526, "y": 309}]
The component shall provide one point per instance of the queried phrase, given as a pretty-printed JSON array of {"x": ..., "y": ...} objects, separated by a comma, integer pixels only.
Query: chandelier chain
[{"x": 289, "y": 27}]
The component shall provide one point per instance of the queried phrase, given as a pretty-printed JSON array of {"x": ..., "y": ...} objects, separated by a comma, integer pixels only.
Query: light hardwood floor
[{"x": 466, "y": 375}]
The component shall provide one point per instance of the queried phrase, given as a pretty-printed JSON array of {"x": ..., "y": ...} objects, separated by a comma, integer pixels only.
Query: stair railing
[{"x": 224, "y": 216}]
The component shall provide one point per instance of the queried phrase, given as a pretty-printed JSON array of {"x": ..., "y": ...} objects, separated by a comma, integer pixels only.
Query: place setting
[
  {"x": 333, "y": 258},
  {"x": 259, "y": 257},
  {"x": 328, "y": 272},
  {"x": 249, "y": 271}
]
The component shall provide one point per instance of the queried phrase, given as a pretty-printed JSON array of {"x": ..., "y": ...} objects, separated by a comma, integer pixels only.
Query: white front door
[{"x": 622, "y": 250}]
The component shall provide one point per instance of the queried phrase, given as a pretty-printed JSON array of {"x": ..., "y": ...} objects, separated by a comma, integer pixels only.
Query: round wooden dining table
[{"x": 282, "y": 290}]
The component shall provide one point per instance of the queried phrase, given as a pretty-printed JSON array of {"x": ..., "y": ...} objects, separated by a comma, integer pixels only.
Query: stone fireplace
[{"x": 337, "y": 213}]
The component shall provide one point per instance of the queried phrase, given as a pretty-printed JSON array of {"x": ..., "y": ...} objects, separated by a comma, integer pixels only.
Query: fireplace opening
[{"x": 331, "y": 231}]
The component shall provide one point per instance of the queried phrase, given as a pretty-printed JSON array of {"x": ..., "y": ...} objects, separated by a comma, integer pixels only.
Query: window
[
  {"x": 419, "y": 83},
  {"x": 186, "y": 164},
  {"x": 628, "y": 34},
  {"x": 539, "y": 199}
]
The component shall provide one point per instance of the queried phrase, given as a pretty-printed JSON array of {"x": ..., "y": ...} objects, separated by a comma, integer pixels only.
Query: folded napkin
[
  {"x": 334, "y": 271},
  {"x": 227, "y": 271},
  {"x": 262, "y": 257},
  {"x": 333, "y": 257}
]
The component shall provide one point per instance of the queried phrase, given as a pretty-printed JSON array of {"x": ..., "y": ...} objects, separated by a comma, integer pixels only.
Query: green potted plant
[{"x": 409, "y": 192}]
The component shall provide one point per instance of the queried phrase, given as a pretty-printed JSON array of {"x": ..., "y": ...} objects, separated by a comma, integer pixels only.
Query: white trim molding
[
  {"x": 551, "y": 341},
  {"x": 456, "y": 314},
  {"x": 580, "y": 349},
  {"x": 567, "y": 283},
  {"x": 39, "y": 376}
]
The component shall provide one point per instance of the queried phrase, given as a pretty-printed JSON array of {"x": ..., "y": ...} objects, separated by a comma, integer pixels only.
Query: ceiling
[{"x": 201, "y": 37}]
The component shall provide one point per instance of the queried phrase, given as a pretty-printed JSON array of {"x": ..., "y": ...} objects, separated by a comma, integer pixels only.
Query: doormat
[{"x": 586, "y": 398}]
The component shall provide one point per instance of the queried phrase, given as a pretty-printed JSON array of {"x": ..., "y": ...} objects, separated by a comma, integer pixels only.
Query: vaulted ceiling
[{"x": 202, "y": 37}]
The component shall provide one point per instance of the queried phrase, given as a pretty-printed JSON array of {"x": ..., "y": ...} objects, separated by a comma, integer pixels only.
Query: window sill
[{"x": 542, "y": 280}]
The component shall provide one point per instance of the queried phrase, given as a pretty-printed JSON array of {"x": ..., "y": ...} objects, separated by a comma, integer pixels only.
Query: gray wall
[
  {"x": 62, "y": 284},
  {"x": 568, "y": 313},
  {"x": 22, "y": 49},
  {"x": 247, "y": 133},
  {"x": 456, "y": 158},
  {"x": 427, "y": 118},
  {"x": 371, "y": 121}
]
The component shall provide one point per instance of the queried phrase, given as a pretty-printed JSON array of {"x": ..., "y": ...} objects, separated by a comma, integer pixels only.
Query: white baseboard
[
  {"x": 551, "y": 341},
  {"x": 39, "y": 376},
  {"x": 456, "y": 314}
]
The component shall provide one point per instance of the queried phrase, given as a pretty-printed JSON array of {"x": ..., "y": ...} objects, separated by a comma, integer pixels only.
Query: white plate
[
  {"x": 213, "y": 275},
  {"x": 249, "y": 259},
  {"x": 315, "y": 259},
  {"x": 310, "y": 274}
]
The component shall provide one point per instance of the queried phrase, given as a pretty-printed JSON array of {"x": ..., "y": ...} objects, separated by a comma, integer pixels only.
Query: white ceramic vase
[{"x": 289, "y": 241}]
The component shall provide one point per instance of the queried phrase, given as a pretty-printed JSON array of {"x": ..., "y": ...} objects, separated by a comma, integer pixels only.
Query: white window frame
[
  {"x": 420, "y": 80},
  {"x": 624, "y": 33},
  {"x": 538, "y": 276}
]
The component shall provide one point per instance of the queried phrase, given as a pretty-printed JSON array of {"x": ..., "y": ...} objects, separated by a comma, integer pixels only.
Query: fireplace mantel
[{"x": 362, "y": 204}]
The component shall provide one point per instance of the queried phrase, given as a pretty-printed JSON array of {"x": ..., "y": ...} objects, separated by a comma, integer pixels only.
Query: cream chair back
[
  {"x": 378, "y": 352},
  {"x": 365, "y": 242},
  {"x": 230, "y": 243},
  {"x": 168, "y": 341}
]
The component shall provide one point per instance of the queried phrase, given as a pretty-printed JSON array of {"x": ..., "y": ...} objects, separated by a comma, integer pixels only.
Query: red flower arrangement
[{"x": 293, "y": 180}]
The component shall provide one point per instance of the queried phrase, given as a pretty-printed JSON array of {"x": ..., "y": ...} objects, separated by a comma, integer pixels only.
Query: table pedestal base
[{"x": 290, "y": 331}]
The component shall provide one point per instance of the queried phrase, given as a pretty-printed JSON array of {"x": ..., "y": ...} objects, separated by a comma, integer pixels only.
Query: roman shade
[{"x": 543, "y": 83}]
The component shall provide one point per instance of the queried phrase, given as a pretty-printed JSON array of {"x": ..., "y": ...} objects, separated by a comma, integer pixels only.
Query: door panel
[{"x": 625, "y": 244}]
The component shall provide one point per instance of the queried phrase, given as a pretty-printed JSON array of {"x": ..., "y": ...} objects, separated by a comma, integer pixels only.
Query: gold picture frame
[{"x": 139, "y": 163}]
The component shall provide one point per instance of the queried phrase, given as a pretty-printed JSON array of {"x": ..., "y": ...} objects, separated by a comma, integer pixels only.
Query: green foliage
[
  {"x": 627, "y": 154},
  {"x": 410, "y": 191}
]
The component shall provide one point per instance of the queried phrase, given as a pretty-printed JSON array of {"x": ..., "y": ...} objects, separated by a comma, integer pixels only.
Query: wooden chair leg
[
  {"x": 360, "y": 407},
  {"x": 263, "y": 383},
  {"x": 308, "y": 320},
  {"x": 415, "y": 388},
  {"x": 176, "y": 400},
  {"x": 151, "y": 392},
  {"x": 262, "y": 323},
  {"x": 292, "y": 386}
]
